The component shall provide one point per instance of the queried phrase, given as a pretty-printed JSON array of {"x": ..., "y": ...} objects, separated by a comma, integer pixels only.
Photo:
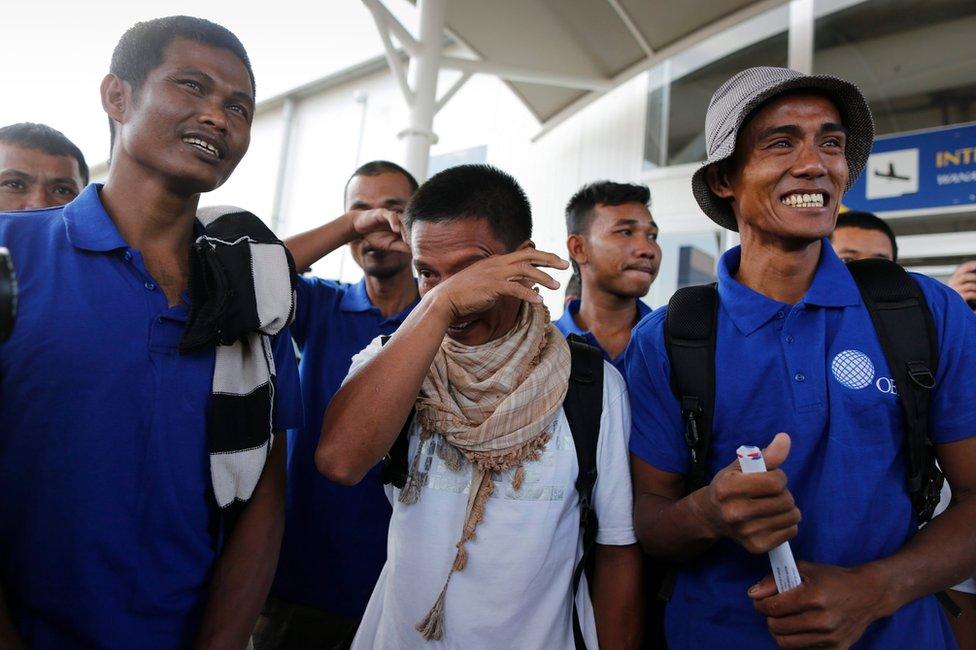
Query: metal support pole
[
  {"x": 288, "y": 121},
  {"x": 424, "y": 69},
  {"x": 800, "y": 39}
]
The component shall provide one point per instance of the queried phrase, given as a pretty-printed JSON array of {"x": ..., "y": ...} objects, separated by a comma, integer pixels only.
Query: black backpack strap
[
  {"x": 899, "y": 313},
  {"x": 396, "y": 468},
  {"x": 907, "y": 335},
  {"x": 689, "y": 336},
  {"x": 584, "y": 407}
]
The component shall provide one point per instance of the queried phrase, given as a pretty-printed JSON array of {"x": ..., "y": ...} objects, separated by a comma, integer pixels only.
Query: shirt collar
[
  {"x": 88, "y": 225},
  {"x": 567, "y": 322},
  {"x": 90, "y": 228},
  {"x": 643, "y": 309},
  {"x": 356, "y": 299},
  {"x": 832, "y": 287}
]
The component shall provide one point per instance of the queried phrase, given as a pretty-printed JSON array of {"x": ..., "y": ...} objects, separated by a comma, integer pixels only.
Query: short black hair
[
  {"x": 41, "y": 137},
  {"x": 142, "y": 48},
  {"x": 867, "y": 221},
  {"x": 579, "y": 210},
  {"x": 475, "y": 192},
  {"x": 377, "y": 167}
]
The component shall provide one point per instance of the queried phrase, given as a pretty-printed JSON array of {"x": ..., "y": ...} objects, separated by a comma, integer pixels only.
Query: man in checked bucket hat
[{"x": 798, "y": 371}]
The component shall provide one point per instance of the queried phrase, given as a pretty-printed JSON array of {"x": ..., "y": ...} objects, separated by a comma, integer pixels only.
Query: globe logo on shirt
[{"x": 853, "y": 369}]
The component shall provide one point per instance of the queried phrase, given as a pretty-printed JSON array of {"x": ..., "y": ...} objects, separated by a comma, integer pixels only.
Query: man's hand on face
[
  {"x": 963, "y": 280},
  {"x": 830, "y": 609},
  {"x": 479, "y": 286},
  {"x": 755, "y": 510},
  {"x": 382, "y": 229}
]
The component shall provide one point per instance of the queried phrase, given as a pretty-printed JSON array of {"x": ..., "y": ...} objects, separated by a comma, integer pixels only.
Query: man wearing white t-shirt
[{"x": 485, "y": 533}]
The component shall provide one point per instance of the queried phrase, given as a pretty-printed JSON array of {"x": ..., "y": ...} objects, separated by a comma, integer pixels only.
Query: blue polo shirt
[
  {"x": 107, "y": 515},
  {"x": 335, "y": 535},
  {"x": 815, "y": 370},
  {"x": 567, "y": 325}
]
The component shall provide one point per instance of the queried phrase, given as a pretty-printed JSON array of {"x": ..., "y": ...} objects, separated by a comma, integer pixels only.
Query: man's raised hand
[
  {"x": 382, "y": 229},
  {"x": 480, "y": 285},
  {"x": 755, "y": 510}
]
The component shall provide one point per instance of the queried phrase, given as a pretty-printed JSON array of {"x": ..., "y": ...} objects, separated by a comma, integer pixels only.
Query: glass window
[
  {"x": 675, "y": 126},
  {"x": 690, "y": 96},
  {"x": 915, "y": 60},
  {"x": 656, "y": 123},
  {"x": 686, "y": 259}
]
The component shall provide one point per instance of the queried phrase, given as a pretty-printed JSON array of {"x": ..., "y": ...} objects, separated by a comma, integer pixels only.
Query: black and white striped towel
[{"x": 242, "y": 292}]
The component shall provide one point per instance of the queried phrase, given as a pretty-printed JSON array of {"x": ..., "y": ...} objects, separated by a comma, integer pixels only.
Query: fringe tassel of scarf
[{"x": 493, "y": 406}]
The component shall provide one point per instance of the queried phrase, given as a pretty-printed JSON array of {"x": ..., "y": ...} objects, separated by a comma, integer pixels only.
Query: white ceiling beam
[
  {"x": 527, "y": 75},
  {"x": 678, "y": 46},
  {"x": 383, "y": 15},
  {"x": 392, "y": 57},
  {"x": 631, "y": 27},
  {"x": 456, "y": 86}
]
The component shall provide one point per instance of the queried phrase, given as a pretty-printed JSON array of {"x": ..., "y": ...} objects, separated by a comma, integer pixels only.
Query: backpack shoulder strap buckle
[{"x": 920, "y": 374}]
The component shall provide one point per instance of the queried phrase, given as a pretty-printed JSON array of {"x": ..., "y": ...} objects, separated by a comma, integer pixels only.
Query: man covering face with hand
[{"x": 485, "y": 532}]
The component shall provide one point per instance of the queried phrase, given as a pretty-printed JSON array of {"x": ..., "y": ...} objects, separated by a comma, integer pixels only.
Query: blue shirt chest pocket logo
[
  {"x": 854, "y": 370},
  {"x": 868, "y": 400}
]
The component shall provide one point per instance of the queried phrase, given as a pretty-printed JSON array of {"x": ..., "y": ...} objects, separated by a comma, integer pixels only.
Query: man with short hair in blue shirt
[
  {"x": 335, "y": 536},
  {"x": 796, "y": 352},
  {"x": 110, "y": 531},
  {"x": 613, "y": 244},
  {"x": 39, "y": 167}
]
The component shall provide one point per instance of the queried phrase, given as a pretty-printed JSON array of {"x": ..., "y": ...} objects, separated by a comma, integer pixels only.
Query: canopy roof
[{"x": 584, "y": 47}]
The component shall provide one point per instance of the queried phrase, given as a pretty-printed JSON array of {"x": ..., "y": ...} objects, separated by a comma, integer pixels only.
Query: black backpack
[
  {"x": 583, "y": 407},
  {"x": 905, "y": 329}
]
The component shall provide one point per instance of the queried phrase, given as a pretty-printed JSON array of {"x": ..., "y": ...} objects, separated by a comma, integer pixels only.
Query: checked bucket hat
[{"x": 736, "y": 100}]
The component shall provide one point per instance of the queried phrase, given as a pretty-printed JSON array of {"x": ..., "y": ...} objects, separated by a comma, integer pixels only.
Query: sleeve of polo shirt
[
  {"x": 313, "y": 295},
  {"x": 613, "y": 497},
  {"x": 953, "y": 411},
  {"x": 289, "y": 412},
  {"x": 657, "y": 434}
]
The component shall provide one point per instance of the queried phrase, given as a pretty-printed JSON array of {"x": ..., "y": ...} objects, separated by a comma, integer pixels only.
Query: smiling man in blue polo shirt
[
  {"x": 613, "y": 243},
  {"x": 110, "y": 533},
  {"x": 796, "y": 352},
  {"x": 335, "y": 536}
]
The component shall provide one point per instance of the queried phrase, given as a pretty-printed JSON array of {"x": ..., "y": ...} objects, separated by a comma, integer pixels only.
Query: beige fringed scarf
[{"x": 491, "y": 405}]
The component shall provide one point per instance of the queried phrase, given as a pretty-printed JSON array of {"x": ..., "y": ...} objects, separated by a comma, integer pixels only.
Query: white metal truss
[{"x": 418, "y": 83}]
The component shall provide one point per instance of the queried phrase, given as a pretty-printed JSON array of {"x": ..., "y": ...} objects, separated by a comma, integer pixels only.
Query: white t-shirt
[{"x": 515, "y": 590}]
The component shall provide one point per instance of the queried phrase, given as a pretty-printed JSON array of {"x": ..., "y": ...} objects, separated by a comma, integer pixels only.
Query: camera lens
[{"x": 8, "y": 294}]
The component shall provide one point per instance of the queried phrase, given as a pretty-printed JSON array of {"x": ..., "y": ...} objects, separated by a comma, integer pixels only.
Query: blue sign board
[{"x": 935, "y": 168}]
